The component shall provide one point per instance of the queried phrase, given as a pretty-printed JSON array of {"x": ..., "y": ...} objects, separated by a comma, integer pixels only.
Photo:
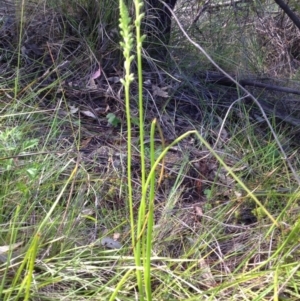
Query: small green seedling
[{"x": 113, "y": 119}]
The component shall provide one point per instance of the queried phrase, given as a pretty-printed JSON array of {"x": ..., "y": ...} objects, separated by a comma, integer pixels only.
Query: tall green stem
[
  {"x": 127, "y": 45},
  {"x": 142, "y": 209}
]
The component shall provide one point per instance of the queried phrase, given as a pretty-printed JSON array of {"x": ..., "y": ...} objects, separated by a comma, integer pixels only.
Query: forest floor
[{"x": 226, "y": 219}]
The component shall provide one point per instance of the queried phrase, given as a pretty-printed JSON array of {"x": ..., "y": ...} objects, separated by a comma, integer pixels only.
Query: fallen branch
[{"x": 220, "y": 79}]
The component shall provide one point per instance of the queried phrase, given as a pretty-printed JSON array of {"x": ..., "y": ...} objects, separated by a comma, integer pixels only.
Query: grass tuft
[{"x": 121, "y": 184}]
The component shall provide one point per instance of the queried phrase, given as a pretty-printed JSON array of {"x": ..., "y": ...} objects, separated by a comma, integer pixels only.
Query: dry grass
[{"x": 211, "y": 239}]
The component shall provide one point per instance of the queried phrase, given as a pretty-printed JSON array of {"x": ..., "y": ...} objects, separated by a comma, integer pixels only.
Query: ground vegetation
[{"x": 206, "y": 113}]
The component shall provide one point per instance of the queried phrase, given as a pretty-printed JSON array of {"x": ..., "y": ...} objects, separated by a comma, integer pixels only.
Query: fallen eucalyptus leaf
[{"x": 89, "y": 114}]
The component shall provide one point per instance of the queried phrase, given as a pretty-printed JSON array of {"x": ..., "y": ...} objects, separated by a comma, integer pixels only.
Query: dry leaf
[
  {"x": 157, "y": 91},
  {"x": 198, "y": 211},
  {"x": 73, "y": 109},
  {"x": 96, "y": 74},
  {"x": 85, "y": 142},
  {"x": 4, "y": 249},
  {"x": 198, "y": 184},
  {"x": 91, "y": 84},
  {"x": 116, "y": 236},
  {"x": 238, "y": 194},
  {"x": 89, "y": 114}
]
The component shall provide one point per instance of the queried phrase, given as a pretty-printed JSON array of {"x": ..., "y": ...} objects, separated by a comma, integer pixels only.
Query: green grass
[{"x": 59, "y": 204}]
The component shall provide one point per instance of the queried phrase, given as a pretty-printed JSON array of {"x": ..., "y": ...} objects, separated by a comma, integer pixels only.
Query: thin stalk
[
  {"x": 139, "y": 41},
  {"x": 125, "y": 25},
  {"x": 19, "y": 13},
  {"x": 31, "y": 261},
  {"x": 142, "y": 209},
  {"x": 121, "y": 282},
  {"x": 13, "y": 239},
  {"x": 147, "y": 264}
]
